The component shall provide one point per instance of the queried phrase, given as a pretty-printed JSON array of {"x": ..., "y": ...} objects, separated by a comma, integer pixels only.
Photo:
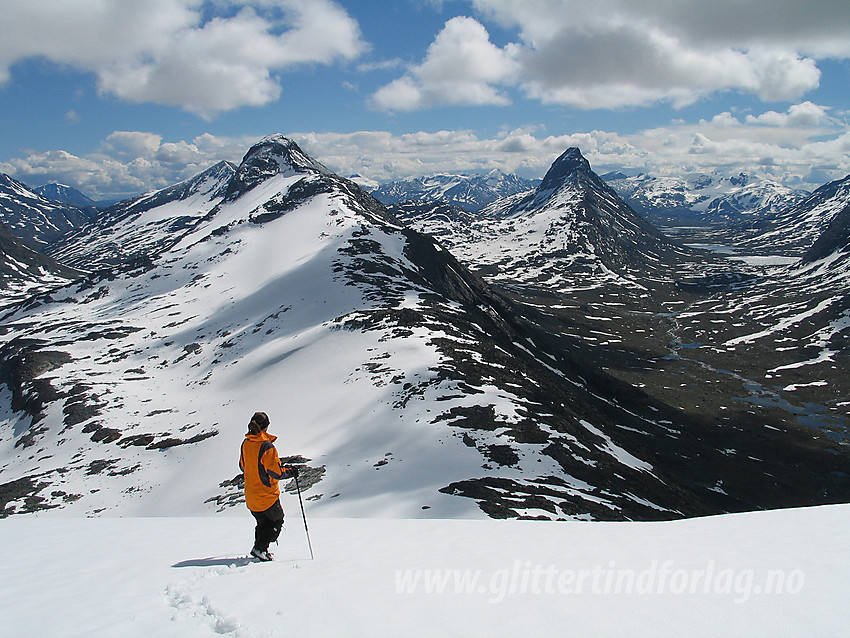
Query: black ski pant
[{"x": 269, "y": 524}]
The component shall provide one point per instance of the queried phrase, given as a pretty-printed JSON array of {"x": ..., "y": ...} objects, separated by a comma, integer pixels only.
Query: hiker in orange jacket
[{"x": 261, "y": 467}]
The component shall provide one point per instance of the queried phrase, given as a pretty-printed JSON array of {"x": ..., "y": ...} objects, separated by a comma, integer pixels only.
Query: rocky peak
[
  {"x": 570, "y": 164},
  {"x": 272, "y": 155}
]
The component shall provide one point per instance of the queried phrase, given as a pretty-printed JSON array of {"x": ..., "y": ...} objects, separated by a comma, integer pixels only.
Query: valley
[{"x": 674, "y": 344}]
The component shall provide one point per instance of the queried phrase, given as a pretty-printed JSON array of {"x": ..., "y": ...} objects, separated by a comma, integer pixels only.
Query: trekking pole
[{"x": 304, "y": 516}]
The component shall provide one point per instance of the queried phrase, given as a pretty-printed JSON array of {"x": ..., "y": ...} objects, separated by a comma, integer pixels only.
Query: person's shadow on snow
[{"x": 240, "y": 561}]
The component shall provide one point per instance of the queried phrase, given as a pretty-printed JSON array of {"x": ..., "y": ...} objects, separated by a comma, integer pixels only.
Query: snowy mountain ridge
[
  {"x": 144, "y": 226},
  {"x": 707, "y": 198}
]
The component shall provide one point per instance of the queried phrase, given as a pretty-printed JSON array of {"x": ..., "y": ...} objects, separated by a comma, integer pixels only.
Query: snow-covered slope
[
  {"x": 758, "y": 575},
  {"x": 34, "y": 219},
  {"x": 834, "y": 238},
  {"x": 793, "y": 231},
  {"x": 400, "y": 383},
  {"x": 143, "y": 227},
  {"x": 25, "y": 272},
  {"x": 469, "y": 192}
]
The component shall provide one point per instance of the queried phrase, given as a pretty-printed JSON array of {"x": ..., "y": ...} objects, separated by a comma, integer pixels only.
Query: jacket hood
[{"x": 262, "y": 436}]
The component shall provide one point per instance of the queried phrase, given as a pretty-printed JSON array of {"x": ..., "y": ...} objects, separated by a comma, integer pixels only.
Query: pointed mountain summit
[
  {"x": 569, "y": 176},
  {"x": 271, "y": 156},
  {"x": 572, "y": 227},
  {"x": 571, "y": 188},
  {"x": 571, "y": 165}
]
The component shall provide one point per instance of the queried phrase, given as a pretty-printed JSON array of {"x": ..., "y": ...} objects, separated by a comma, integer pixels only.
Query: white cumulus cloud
[
  {"x": 169, "y": 52},
  {"x": 127, "y": 163},
  {"x": 462, "y": 66},
  {"x": 801, "y": 146},
  {"x": 616, "y": 53}
]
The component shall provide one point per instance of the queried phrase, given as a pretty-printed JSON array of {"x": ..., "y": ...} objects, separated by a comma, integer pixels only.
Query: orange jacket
[{"x": 261, "y": 466}]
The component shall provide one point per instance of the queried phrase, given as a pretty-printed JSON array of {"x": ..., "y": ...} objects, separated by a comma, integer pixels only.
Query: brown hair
[{"x": 259, "y": 422}]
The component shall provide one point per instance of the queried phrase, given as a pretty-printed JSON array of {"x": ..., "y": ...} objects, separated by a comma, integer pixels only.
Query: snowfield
[{"x": 755, "y": 574}]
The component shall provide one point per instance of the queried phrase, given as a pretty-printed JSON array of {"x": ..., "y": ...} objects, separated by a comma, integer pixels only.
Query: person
[{"x": 262, "y": 470}]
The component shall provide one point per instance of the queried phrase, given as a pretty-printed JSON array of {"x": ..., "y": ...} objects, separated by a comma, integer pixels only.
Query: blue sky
[{"x": 117, "y": 97}]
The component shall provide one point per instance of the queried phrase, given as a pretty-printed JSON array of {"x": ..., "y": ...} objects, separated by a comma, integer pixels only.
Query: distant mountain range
[
  {"x": 703, "y": 198},
  {"x": 469, "y": 192},
  {"x": 795, "y": 228},
  {"x": 743, "y": 202}
]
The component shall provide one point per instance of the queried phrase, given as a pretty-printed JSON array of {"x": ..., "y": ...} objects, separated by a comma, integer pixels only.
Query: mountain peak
[
  {"x": 286, "y": 152},
  {"x": 64, "y": 194},
  {"x": 569, "y": 163},
  {"x": 272, "y": 155}
]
